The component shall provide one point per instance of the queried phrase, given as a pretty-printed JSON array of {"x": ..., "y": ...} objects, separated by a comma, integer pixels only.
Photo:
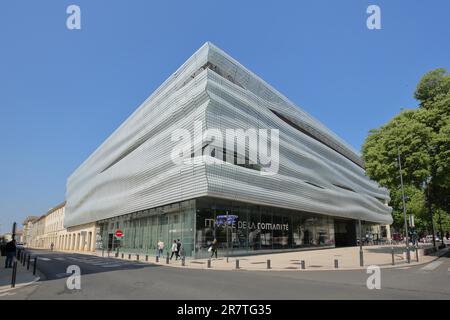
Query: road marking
[
  {"x": 7, "y": 294},
  {"x": 448, "y": 270},
  {"x": 431, "y": 266},
  {"x": 62, "y": 275},
  {"x": 111, "y": 266},
  {"x": 60, "y": 259},
  {"x": 44, "y": 259}
]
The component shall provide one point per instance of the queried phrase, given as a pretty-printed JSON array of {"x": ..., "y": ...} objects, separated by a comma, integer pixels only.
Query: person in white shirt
[
  {"x": 160, "y": 248},
  {"x": 174, "y": 250}
]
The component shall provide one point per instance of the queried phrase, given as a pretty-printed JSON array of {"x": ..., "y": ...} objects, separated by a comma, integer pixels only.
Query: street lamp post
[
  {"x": 408, "y": 258},
  {"x": 361, "y": 253},
  {"x": 14, "y": 230}
]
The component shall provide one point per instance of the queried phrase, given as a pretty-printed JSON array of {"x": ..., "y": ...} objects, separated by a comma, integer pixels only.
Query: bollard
[
  {"x": 122, "y": 255},
  {"x": 302, "y": 264},
  {"x": 361, "y": 258},
  {"x": 137, "y": 257},
  {"x": 237, "y": 263},
  {"x": 129, "y": 256},
  {"x": 116, "y": 255},
  {"x": 167, "y": 259},
  {"x": 24, "y": 259},
  {"x": 393, "y": 257},
  {"x": 417, "y": 254},
  {"x": 146, "y": 257},
  {"x": 268, "y": 264},
  {"x": 14, "y": 274},
  {"x": 108, "y": 253},
  {"x": 103, "y": 252},
  {"x": 408, "y": 255},
  {"x": 157, "y": 258},
  {"x": 209, "y": 263},
  {"x": 183, "y": 262},
  {"x": 34, "y": 265},
  {"x": 336, "y": 263},
  {"x": 28, "y": 262}
]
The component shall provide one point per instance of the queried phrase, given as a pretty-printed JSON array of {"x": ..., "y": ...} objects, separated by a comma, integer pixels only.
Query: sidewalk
[
  {"x": 24, "y": 277},
  {"x": 348, "y": 259}
]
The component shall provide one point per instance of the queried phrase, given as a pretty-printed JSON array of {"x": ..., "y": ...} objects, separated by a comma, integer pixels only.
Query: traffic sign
[{"x": 119, "y": 233}]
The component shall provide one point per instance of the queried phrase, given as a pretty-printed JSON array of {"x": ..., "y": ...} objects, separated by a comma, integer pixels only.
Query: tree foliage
[{"x": 422, "y": 138}]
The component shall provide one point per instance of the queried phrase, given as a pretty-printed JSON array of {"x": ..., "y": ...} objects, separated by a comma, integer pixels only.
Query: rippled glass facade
[
  {"x": 243, "y": 228},
  {"x": 240, "y": 228},
  {"x": 142, "y": 230}
]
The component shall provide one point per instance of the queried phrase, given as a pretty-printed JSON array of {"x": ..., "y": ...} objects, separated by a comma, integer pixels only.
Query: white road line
[
  {"x": 431, "y": 266},
  {"x": 60, "y": 259},
  {"x": 44, "y": 259},
  {"x": 111, "y": 266},
  {"x": 7, "y": 294}
]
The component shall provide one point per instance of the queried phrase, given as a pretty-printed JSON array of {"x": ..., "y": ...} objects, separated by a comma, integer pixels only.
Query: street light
[{"x": 408, "y": 257}]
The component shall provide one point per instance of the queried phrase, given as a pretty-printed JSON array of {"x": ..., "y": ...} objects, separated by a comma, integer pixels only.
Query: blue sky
[{"x": 62, "y": 92}]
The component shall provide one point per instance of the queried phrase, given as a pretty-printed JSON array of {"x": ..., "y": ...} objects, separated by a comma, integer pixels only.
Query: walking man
[
  {"x": 10, "y": 250},
  {"x": 214, "y": 247},
  {"x": 178, "y": 248}
]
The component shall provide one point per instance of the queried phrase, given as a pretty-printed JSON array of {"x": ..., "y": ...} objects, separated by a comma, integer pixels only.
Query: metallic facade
[{"x": 133, "y": 169}]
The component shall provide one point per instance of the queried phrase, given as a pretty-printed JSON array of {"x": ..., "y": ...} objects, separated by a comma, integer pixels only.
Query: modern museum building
[{"x": 217, "y": 153}]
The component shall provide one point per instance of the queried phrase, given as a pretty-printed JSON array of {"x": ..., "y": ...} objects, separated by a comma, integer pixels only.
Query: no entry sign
[{"x": 119, "y": 233}]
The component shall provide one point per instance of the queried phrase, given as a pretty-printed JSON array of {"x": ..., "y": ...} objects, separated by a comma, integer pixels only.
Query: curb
[
  {"x": 402, "y": 265},
  {"x": 36, "y": 279},
  {"x": 440, "y": 253}
]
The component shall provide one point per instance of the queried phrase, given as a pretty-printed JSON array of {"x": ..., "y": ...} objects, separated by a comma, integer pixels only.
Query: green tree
[{"x": 422, "y": 137}]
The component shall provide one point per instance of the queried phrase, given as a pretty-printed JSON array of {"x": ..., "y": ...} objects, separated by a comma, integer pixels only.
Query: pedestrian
[
  {"x": 160, "y": 246},
  {"x": 51, "y": 246},
  {"x": 178, "y": 248},
  {"x": 174, "y": 250},
  {"x": 214, "y": 247},
  {"x": 10, "y": 250},
  {"x": 3, "y": 248}
]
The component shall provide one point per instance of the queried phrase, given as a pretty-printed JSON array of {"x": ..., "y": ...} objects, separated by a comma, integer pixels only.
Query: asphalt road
[{"x": 109, "y": 278}]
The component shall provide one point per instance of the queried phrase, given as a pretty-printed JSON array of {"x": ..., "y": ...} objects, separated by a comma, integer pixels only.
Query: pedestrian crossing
[
  {"x": 43, "y": 259},
  {"x": 94, "y": 261},
  {"x": 431, "y": 266}
]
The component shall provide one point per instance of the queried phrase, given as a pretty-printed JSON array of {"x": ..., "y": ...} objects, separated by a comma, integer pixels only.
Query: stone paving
[
  {"x": 23, "y": 277},
  {"x": 324, "y": 259}
]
